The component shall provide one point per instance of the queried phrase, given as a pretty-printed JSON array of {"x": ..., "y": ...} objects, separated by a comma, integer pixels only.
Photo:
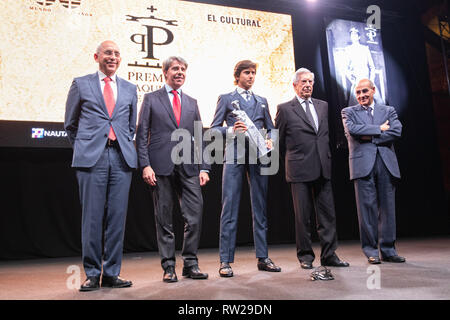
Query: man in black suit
[
  {"x": 164, "y": 111},
  {"x": 303, "y": 131}
]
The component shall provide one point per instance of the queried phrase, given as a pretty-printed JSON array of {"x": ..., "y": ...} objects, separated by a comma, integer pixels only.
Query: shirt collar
[
  {"x": 169, "y": 89},
  {"x": 242, "y": 90},
  {"x": 301, "y": 100},
  {"x": 102, "y": 76},
  {"x": 371, "y": 106}
]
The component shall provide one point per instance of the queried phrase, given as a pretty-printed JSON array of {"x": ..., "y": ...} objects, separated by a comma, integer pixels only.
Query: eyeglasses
[{"x": 362, "y": 91}]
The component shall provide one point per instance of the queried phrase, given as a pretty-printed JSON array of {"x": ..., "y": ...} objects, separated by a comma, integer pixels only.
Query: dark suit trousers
[
  {"x": 187, "y": 191},
  {"x": 375, "y": 201},
  {"x": 233, "y": 178},
  {"x": 308, "y": 197},
  {"x": 104, "y": 191}
]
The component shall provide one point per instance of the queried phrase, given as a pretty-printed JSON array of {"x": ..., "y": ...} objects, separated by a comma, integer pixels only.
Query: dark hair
[{"x": 242, "y": 65}]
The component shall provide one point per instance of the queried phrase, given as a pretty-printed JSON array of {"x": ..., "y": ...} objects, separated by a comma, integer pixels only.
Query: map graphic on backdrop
[{"x": 45, "y": 44}]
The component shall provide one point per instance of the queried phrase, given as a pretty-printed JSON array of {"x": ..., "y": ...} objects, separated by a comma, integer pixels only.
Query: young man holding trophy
[{"x": 245, "y": 113}]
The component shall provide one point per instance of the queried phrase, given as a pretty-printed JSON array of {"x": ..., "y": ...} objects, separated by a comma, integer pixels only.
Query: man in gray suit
[
  {"x": 371, "y": 130},
  {"x": 164, "y": 111},
  {"x": 100, "y": 122},
  {"x": 303, "y": 129}
]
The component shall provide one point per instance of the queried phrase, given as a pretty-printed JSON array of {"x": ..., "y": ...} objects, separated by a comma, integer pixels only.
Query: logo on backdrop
[
  {"x": 40, "y": 133},
  {"x": 147, "y": 41},
  {"x": 70, "y": 4}
]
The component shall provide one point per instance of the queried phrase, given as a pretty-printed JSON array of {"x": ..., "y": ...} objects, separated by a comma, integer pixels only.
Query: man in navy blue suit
[
  {"x": 162, "y": 113},
  {"x": 234, "y": 170},
  {"x": 100, "y": 122},
  {"x": 371, "y": 130}
]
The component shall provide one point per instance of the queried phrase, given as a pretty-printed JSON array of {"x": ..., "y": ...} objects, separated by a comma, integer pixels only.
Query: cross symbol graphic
[{"x": 152, "y": 9}]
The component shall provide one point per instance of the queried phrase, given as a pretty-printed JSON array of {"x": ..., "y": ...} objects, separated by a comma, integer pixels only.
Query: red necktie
[
  {"x": 176, "y": 106},
  {"x": 108, "y": 95}
]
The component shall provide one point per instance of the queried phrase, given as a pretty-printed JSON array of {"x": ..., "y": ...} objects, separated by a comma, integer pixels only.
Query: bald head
[
  {"x": 364, "y": 92},
  {"x": 108, "y": 57}
]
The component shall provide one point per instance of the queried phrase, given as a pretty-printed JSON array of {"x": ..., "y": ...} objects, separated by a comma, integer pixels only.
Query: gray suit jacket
[
  {"x": 155, "y": 127},
  {"x": 87, "y": 121},
  {"x": 362, "y": 153}
]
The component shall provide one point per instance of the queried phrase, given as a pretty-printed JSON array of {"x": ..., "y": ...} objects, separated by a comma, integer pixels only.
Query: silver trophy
[{"x": 254, "y": 135}]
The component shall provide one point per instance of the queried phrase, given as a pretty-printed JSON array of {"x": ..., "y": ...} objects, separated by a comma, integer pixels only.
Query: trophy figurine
[{"x": 254, "y": 135}]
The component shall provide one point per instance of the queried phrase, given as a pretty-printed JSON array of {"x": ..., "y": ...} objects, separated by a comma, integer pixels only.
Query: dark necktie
[
  {"x": 108, "y": 95},
  {"x": 309, "y": 115},
  {"x": 176, "y": 106},
  {"x": 369, "y": 114}
]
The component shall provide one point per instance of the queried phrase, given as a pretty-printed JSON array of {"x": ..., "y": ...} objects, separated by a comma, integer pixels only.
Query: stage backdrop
[{"x": 45, "y": 44}]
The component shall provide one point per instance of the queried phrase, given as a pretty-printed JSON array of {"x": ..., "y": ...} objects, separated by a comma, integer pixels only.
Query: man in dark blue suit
[
  {"x": 100, "y": 122},
  {"x": 164, "y": 112},
  {"x": 257, "y": 110},
  {"x": 371, "y": 130}
]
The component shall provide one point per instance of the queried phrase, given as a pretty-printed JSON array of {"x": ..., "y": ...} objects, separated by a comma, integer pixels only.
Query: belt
[{"x": 112, "y": 144}]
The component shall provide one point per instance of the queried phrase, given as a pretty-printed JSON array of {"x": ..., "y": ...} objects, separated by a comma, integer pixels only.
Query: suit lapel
[
  {"x": 184, "y": 108},
  {"x": 362, "y": 114},
  {"x": 120, "y": 94},
  {"x": 97, "y": 91},
  {"x": 320, "y": 111},
  {"x": 378, "y": 112},
  {"x": 164, "y": 98},
  {"x": 298, "y": 109}
]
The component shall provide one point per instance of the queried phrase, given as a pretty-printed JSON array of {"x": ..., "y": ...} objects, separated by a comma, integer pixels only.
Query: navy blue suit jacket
[
  {"x": 87, "y": 121},
  {"x": 260, "y": 115},
  {"x": 362, "y": 153}
]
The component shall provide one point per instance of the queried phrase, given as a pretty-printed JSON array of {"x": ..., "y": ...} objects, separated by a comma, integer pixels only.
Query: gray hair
[
  {"x": 299, "y": 72},
  {"x": 166, "y": 63}
]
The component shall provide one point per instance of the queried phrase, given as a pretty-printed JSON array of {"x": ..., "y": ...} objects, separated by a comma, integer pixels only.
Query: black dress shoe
[
  {"x": 90, "y": 284},
  {"x": 335, "y": 262},
  {"x": 115, "y": 282},
  {"x": 267, "y": 265},
  {"x": 170, "y": 275},
  {"x": 374, "y": 260},
  {"x": 194, "y": 272},
  {"x": 396, "y": 259},
  {"x": 225, "y": 270},
  {"x": 306, "y": 264}
]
